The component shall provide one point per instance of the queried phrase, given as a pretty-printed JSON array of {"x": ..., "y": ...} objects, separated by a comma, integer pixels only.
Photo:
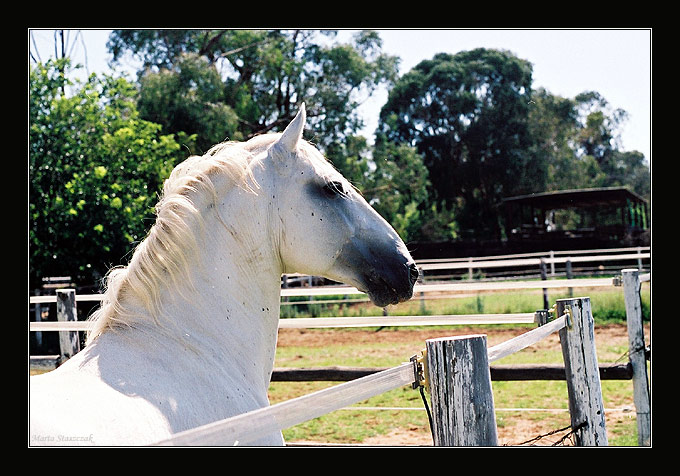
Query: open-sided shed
[{"x": 604, "y": 214}]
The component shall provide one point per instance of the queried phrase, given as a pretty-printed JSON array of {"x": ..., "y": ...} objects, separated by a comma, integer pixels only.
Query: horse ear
[{"x": 293, "y": 132}]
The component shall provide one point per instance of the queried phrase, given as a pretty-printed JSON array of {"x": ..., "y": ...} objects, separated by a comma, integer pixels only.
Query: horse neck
[
  {"x": 241, "y": 279},
  {"x": 227, "y": 312}
]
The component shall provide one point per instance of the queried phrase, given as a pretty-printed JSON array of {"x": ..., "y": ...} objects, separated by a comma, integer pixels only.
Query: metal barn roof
[{"x": 582, "y": 198}]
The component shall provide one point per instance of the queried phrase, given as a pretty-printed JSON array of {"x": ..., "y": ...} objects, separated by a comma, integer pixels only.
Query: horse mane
[{"x": 163, "y": 257}]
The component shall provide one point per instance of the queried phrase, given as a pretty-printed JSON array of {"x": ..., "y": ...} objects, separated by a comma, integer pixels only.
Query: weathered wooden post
[
  {"x": 463, "y": 412},
  {"x": 284, "y": 285},
  {"x": 582, "y": 372},
  {"x": 639, "y": 261},
  {"x": 66, "y": 311},
  {"x": 636, "y": 353}
]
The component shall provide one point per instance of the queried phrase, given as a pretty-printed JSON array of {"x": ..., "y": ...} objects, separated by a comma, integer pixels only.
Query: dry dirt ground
[{"x": 520, "y": 430}]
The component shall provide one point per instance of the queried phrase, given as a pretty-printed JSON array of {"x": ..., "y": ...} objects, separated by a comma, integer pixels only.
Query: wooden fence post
[
  {"x": 544, "y": 276},
  {"x": 552, "y": 263},
  {"x": 636, "y": 353},
  {"x": 570, "y": 275},
  {"x": 463, "y": 412},
  {"x": 421, "y": 280},
  {"x": 37, "y": 309},
  {"x": 582, "y": 372},
  {"x": 66, "y": 311}
]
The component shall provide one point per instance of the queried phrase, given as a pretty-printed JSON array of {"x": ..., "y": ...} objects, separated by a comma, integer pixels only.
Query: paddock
[{"x": 362, "y": 382}]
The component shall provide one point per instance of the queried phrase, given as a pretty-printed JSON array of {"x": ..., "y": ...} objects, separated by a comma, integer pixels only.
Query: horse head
[{"x": 326, "y": 228}]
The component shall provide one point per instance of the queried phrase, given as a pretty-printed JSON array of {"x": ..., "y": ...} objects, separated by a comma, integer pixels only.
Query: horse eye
[{"x": 333, "y": 189}]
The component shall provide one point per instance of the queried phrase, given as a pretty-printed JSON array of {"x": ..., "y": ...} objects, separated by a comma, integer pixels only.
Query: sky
[{"x": 614, "y": 62}]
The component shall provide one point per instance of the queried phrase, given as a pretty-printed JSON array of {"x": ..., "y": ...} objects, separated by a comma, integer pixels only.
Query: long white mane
[{"x": 163, "y": 257}]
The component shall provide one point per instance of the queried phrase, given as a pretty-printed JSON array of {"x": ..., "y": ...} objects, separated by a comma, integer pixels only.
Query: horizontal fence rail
[
  {"x": 543, "y": 254},
  {"x": 326, "y": 322},
  {"x": 530, "y": 261},
  {"x": 525, "y": 340},
  {"x": 500, "y": 373},
  {"x": 419, "y": 288}
]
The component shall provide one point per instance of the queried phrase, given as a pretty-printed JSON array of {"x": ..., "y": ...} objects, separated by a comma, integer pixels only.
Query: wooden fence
[{"x": 588, "y": 433}]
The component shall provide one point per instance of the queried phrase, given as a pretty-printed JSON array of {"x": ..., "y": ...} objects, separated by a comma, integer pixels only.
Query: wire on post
[{"x": 420, "y": 381}]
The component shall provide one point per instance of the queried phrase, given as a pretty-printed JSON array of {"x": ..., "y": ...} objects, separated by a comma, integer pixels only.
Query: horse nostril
[{"x": 413, "y": 273}]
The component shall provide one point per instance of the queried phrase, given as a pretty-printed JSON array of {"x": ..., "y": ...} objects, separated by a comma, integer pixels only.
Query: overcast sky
[{"x": 615, "y": 63}]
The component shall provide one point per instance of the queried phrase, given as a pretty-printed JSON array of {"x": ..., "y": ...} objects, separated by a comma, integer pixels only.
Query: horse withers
[{"x": 186, "y": 334}]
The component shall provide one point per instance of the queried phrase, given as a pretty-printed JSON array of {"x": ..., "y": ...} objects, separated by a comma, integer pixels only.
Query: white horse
[{"x": 186, "y": 334}]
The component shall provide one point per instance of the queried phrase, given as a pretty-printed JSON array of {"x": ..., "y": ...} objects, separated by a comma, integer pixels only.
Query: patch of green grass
[
  {"x": 624, "y": 433},
  {"x": 356, "y": 426},
  {"x": 531, "y": 394},
  {"x": 352, "y": 425},
  {"x": 377, "y": 354}
]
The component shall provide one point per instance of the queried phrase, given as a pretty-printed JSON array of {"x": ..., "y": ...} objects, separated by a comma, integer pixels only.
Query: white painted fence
[
  {"x": 458, "y": 286},
  {"x": 639, "y": 255}
]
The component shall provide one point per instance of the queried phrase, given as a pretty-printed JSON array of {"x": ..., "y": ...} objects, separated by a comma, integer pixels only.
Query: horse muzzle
[{"x": 391, "y": 287}]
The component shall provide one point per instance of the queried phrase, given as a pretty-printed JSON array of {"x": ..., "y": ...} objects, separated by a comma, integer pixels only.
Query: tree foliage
[
  {"x": 467, "y": 115},
  {"x": 399, "y": 187},
  {"x": 95, "y": 169},
  {"x": 485, "y": 134},
  {"x": 189, "y": 97},
  {"x": 458, "y": 133},
  {"x": 264, "y": 75}
]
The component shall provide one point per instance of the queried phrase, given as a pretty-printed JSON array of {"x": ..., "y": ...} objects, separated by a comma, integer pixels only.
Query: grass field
[{"x": 524, "y": 410}]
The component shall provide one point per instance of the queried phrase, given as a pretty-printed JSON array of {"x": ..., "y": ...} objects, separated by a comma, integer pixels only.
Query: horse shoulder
[{"x": 73, "y": 406}]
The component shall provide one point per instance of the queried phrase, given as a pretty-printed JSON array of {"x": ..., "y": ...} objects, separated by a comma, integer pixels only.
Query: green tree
[
  {"x": 95, "y": 169},
  {"x": 467, "y": 115},
  {"x": 265, "y": 75},
  {"x": 599, "y": 124},
  {"x": 352, "y": 157},
  {"x": 553, "y": 122},
  {"x": 576, "y": 143},
  {"x": 398, "y": 189},
  {"x": 189, "y": 97}
]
